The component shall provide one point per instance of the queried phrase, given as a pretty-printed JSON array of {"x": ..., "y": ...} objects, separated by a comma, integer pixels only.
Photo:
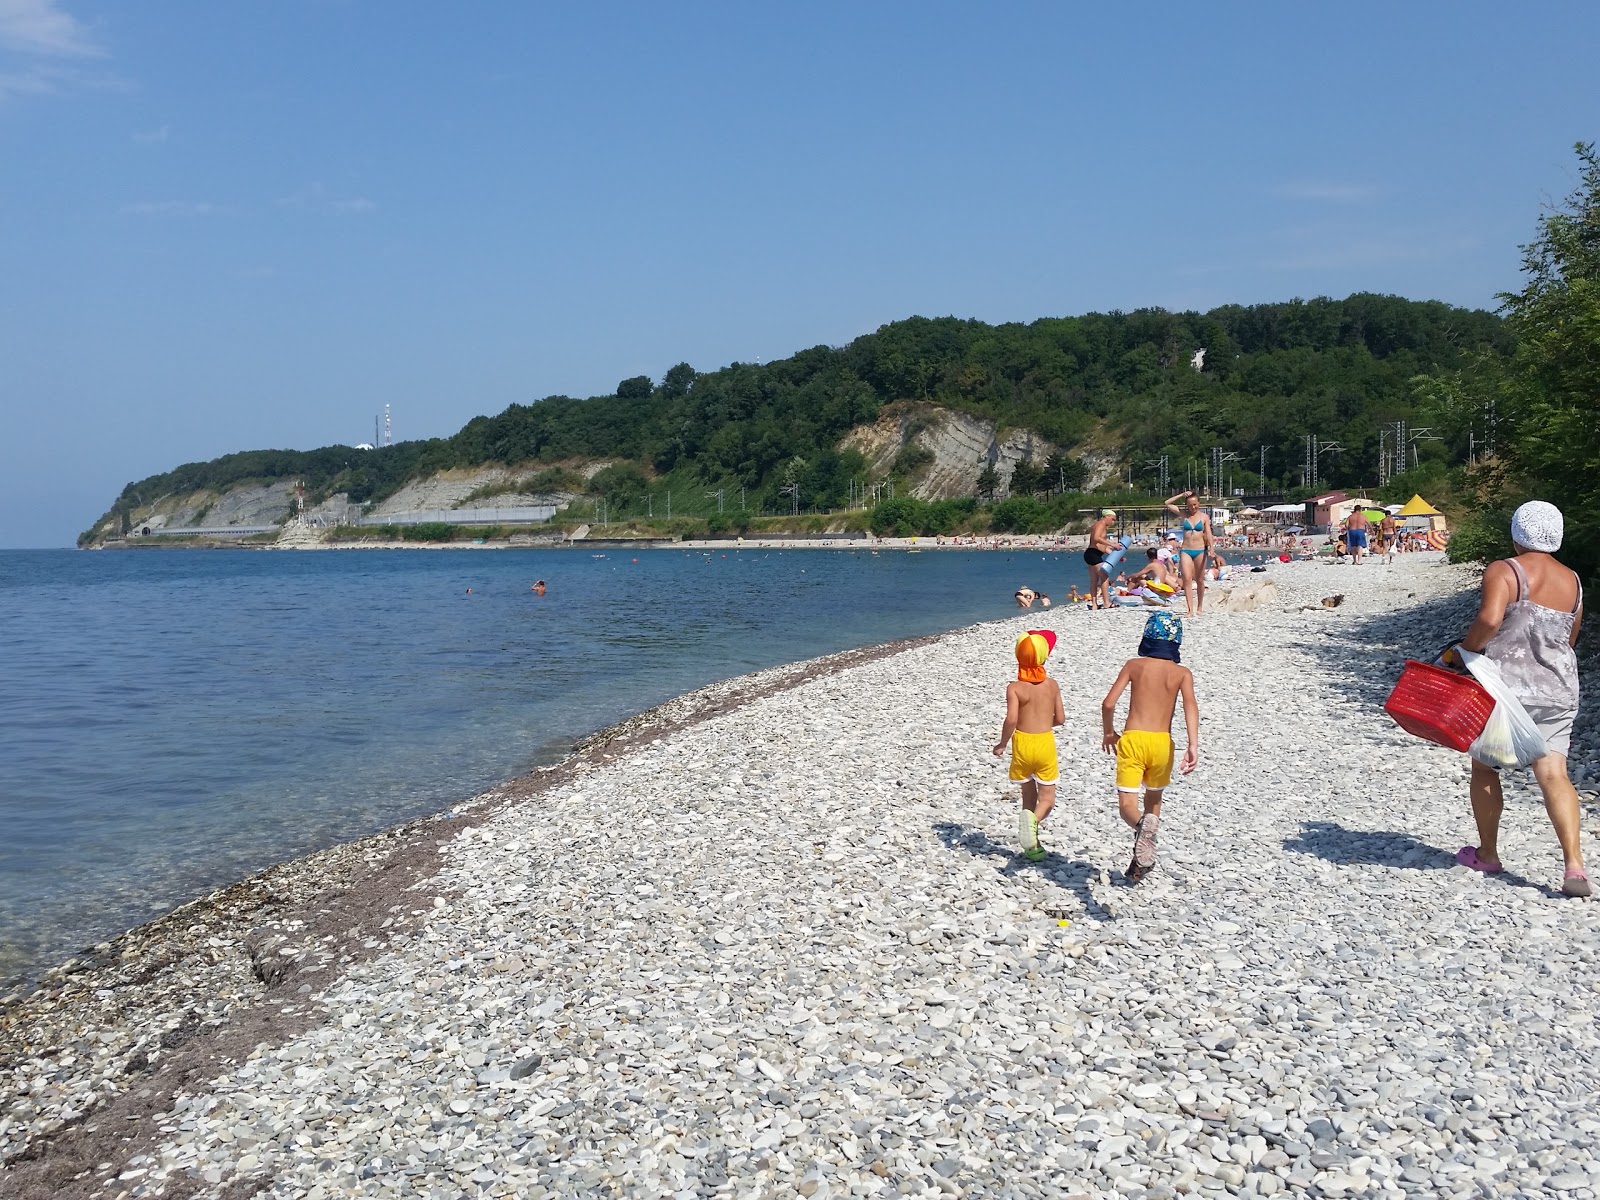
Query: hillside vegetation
[{"x": 1118, "y": 382}]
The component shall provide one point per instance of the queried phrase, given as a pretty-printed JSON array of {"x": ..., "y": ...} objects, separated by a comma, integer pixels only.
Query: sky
[{"x": 250, "y": 225}]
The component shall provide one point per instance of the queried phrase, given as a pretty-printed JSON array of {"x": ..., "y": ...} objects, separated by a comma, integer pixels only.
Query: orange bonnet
[{"x": 1033, "y": 648}]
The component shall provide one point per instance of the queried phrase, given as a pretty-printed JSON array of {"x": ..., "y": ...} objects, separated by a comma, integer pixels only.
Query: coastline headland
[{"x": 774, "y": 937}]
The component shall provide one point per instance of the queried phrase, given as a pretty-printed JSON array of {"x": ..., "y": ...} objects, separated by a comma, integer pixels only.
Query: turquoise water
[{"x": 171, "y": 721}]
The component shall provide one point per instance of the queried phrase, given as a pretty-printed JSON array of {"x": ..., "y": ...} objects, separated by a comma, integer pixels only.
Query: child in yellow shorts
[
  {"x": 1144, "y": 748},
  {"x": 1033, "y": 710}
]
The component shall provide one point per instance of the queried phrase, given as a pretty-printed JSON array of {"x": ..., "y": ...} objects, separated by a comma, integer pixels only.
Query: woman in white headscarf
[{"x": 1528, "y": 623}]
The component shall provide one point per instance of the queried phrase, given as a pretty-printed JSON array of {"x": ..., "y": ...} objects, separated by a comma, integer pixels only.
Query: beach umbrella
[
  {"x": 1418, "y": 507},
  {"x": 1376, "y": 514}
]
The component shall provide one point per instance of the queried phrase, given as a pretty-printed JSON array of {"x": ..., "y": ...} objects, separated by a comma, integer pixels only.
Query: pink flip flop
[
  {"x": 1576, "y": 883},
  {"x": 1467, "y": 856}
]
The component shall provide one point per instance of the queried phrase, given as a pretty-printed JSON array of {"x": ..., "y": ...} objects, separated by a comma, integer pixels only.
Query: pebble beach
[{"x": 777, "y": 940}]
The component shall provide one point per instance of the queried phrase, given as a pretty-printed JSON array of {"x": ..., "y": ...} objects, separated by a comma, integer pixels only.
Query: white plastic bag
[{"x": 1510, "y": 738}]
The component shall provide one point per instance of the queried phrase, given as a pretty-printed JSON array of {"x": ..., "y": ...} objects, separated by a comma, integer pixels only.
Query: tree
[
  {"x": 988, "y": 482},
  {"x": 1554, "y": 374},
  {"x": 1064, "y": 473},
  {"x": 677, "y": 381},
  {"x": 1026, "y": 478},
  {"x": 637, "y": 388}
]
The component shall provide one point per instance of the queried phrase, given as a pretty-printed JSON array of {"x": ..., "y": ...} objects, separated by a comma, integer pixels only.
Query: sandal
[
  {"x": 1467, "y": 856},
  {"x": 1575, "y": 883}
]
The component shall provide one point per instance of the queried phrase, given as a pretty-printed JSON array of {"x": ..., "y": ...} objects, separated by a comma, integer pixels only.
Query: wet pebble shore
[{"x": 791, "y": 949}]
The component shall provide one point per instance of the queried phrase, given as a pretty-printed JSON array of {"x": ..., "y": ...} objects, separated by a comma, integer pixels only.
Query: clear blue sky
[{"x": 250, "y": 224}]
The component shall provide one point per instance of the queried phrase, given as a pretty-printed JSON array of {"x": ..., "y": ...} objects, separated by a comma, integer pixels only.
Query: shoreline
[
  {"x": 1043, "y": 542},
  {"x": 186, "y": 991},
  {"x": 191, "y": 989}
]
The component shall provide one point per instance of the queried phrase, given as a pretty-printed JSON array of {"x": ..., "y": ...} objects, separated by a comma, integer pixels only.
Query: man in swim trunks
[
  {"x": 1144, "y": 747},
  {"x": 1355, "y": 534},
  {"x": 1100, "y": 545},
  {"x": 1033, "y": 710},
  {"x": 1388, "y": 535}
]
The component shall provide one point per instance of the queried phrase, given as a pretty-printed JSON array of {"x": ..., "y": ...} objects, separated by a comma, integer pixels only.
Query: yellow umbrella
[{"x": 1418, "y": 507}]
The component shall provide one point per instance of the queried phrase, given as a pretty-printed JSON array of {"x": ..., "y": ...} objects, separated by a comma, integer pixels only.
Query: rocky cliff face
[
  {"x": 960, "y": 446},
  {"x": 949, "y": 449}
]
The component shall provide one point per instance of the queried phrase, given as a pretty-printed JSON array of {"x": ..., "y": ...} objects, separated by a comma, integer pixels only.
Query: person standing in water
[
  {"x": 1194, "y": 527},
  {"x": 1033, "y": 710},
  {"x": 1100, "y": 545},
  {"x": 1527, "y": 623}
]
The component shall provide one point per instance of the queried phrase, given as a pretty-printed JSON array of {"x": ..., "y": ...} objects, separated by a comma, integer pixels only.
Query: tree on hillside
[
  {"x": 1026, "y": 478},
  {"x": 1064, "y": 473},
  {"x": 677, "y": 381},
  {"x": 637, "y": 388},
  {"x": 988, "y": 482}
]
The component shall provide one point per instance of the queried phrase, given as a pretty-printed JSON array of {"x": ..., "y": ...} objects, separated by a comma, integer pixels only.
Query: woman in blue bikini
[{"x": 1195, "y": 530}]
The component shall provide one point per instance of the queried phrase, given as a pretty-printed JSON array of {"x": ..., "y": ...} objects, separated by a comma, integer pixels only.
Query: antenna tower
[{"x": 388, "y": 429}]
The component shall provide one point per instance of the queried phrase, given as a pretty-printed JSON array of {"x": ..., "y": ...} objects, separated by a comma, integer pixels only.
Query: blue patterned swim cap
[{"x": 1164, "y": 627}]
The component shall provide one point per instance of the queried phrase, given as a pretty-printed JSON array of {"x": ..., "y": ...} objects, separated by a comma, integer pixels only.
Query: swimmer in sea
[
  {"x": 1025, "y": 597},
  {"x": 538, "y": 587}
]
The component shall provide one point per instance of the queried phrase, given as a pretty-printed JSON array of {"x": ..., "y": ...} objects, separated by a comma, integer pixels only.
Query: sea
[{"x": 174, "y": 720}]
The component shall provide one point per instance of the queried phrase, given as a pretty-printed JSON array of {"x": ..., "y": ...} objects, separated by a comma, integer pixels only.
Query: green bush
[
  {"x": 907, "y": 516},
  {"x": 1483, "y": 536},
  {"x": 429, "y": 531},
  {"x": 900, "y": 517},
  {"x": 1020, "y": 514}
]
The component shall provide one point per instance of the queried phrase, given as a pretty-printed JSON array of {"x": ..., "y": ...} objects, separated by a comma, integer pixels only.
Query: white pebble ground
[{"x": 793, "y": 950}]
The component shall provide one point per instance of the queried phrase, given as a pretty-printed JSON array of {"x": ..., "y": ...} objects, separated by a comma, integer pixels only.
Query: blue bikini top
[{"x": 1197, "y": 527}]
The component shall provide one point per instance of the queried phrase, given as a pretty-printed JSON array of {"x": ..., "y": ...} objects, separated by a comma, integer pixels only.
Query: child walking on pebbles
[
  {"x": 1144, "y": 748},
  {"x": 1033, "y": 710}
]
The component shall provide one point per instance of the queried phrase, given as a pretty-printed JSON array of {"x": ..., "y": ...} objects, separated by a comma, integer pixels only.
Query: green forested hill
[{"x": 1272, "y": 373}]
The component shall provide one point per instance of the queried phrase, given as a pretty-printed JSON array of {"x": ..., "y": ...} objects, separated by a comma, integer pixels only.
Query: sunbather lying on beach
[
  {"x": 1156, "y": 581},
  {"x": 1033, "y": 710},
  {"x": 1144, "y": 748}
]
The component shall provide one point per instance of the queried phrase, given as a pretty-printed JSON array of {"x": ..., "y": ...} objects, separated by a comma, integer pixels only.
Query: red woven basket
[{"x": 1439, "y": 705}]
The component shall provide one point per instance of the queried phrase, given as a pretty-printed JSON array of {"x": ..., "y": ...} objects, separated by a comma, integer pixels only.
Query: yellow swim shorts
[
  {"x": 1033, "y": 756},
  {"x": 1144, "y": 758}
]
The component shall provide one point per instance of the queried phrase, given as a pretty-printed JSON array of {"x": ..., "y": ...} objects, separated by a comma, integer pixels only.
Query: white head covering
[{"x": 1538, "y": 525}]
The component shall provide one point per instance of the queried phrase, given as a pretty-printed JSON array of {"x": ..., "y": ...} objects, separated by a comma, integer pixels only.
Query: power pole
[
  {"x": 718, "y": 495},
  {"x": 1162, "y": 480},
  {"x": 792, "y": 490}
]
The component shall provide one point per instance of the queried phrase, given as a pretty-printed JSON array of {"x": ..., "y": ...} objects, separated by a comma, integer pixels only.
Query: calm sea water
[{"x": 171, "y": 721}]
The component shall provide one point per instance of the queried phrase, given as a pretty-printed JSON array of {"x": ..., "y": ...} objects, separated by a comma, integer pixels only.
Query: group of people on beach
[
  {"x": 1529, "y": 615},
  {"x": 1156, "y": 679},
  {"x": 1187, "y": 565}
]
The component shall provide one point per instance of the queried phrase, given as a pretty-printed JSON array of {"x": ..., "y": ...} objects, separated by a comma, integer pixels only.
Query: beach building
[{"x": 1319, "y": 509}]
